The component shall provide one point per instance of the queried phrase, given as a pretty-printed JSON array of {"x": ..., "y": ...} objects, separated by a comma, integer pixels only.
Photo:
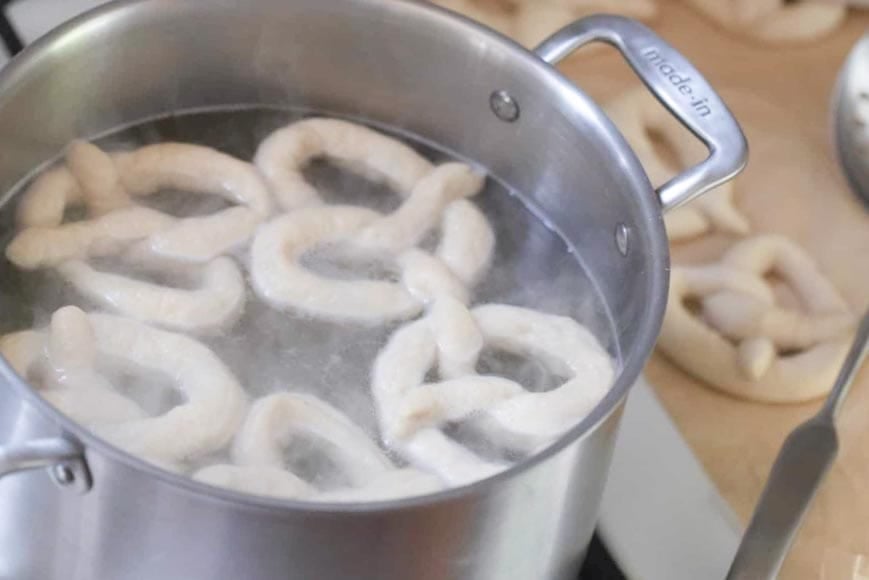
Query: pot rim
[{"x": 628, "y": 372}]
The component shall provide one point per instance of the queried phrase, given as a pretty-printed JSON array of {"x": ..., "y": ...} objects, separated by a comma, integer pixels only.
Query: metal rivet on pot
[
  {"x": 622, "y": 239},
  {"x": 504, "y": 106},
  {"x": 63, "y": 474}
]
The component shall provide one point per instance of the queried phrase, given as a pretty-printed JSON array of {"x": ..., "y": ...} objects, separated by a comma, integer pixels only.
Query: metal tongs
[{"x": 796, "y": 475}]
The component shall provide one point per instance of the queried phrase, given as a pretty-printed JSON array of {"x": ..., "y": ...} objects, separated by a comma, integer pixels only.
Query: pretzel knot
[
  {"x": 740, "y": 340},
  {"x": 411, "y": 411},
  {"x": 434, "y": 197},
  {"x": 641, "y": 119},
  {"x": 105, "y": 185},
  {"x": 275, "y": 421},
  {"x": 775, "y": 21},
  {"x": 66, "y": 362}
]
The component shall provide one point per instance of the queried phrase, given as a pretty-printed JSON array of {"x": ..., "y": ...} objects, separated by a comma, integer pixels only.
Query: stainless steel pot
[{"x": 97, "y": 513}]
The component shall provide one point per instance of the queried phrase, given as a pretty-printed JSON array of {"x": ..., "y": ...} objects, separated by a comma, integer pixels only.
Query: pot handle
[
  {"x": 677, "y": 85},
  {"x": 62, "y": 456}
]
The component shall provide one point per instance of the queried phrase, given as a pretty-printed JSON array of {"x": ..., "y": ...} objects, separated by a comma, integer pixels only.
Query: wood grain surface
[{"x": 792, "y": 186}]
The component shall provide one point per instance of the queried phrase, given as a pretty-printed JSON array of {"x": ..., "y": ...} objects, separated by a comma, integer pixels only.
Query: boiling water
[{"x": 271, "y": 351}]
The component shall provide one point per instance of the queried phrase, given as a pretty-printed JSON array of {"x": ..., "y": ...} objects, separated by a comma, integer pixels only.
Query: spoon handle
[
  {"x": 849, "y": 369},
  {"x": 795, "y": 478}
]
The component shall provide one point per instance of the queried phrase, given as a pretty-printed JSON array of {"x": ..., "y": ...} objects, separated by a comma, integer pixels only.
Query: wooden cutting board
[{"x": 792, "y": 186}]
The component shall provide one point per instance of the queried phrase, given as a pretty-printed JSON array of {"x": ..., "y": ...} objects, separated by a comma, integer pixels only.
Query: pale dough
[
  {"x": 740, "y": 344},
  {"x": 207, "y": 419},
  {"x": 410, "y": 410},
  {"x": 775, "y": 21}
]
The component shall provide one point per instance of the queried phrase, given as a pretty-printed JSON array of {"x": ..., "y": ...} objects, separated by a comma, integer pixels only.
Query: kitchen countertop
[{"x": 792, "y": 186}]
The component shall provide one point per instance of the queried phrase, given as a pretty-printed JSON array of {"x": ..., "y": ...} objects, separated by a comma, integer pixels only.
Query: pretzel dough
[
  {"x": 95, "y": 173},
  {"x": 408, "y": 225},
  {"x": 467, "y": 241},
  {"x": 43, "y": 203},
  {"x": 105, "y": 183},
  {"x": 532, "y": 21},
  {"x": 737, "y": 305},
  {"x": 274, "y": 420},
  {"x": 46, "y": 246},
  {"x": 433, "y": 195},
  {"x": 204, "y": 422},
  {"x": 64, "y": 358},
  {"x": 270, "y": 427},
  {"x": 400, "y": 366},
  {"x": 639, "y": 116},
  {"x": 775, "y": 21},
  {"x": 214, "y": 304},
  {"x": 410, "y": 411},
  {"x": 280, "y": 279},
  {"x": 536, "y": 20},
  {"x": 283, "y": 154}
]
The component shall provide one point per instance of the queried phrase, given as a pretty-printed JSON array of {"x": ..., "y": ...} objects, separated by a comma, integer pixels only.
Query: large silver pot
[{"x": 96, "y": 513}]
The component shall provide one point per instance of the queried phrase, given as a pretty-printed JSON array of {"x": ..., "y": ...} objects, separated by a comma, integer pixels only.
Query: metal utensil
[
  {"x": 850, "y": 129},
  {"x": 796, "y": 475}
]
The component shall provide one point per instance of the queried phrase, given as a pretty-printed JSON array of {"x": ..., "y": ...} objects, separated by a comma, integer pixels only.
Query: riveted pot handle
[
  {"x": 64, "y": 458},
  {"x": 677, "y": 85}
]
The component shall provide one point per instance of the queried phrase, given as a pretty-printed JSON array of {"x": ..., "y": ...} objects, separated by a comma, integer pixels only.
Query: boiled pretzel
[
  {"x": 205, "y": 422},
  {"x": 41, "y": 246},
  {"x": 275, "y": 420},
  {"x": 105, "y": 183},
  {"x": 400, "y": 367},
  {"x": 638, "y": 115},
  {"x": 272, "y": 424},
  {"x": 742, "y": 342},
  {"x": 775, "y": 21},
  {"x": 428, "y": 191},
  {"x": 279, "y": 277},
  {"x": 64, "y": 359},
  {"x": 408, "y": 225},
  {"x": 410, "y": 411},
  {"x": 213, "y": 305},
  {"x": 283, "y": 154},
  {"x": 197, "y": 169}
]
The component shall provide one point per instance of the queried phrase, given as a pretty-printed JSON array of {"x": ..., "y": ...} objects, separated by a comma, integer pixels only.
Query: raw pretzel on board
[
  {"x": 740, "y": 340},
  {"x": 775, "y": 21}
]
